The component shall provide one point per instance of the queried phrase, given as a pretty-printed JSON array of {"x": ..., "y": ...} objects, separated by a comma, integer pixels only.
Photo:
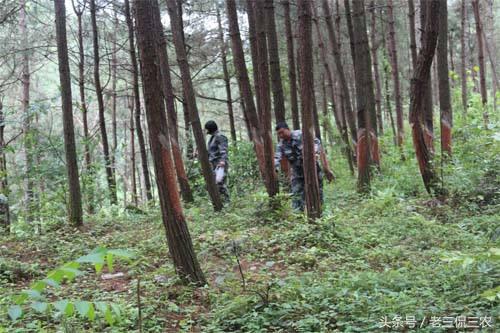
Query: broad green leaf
[
  {"x": 52, "y": 282},
  {"x": 70, "y": 309},
  {"x": 93, "y": 258},
  {"x": 61, "y": 305},
  {"x": 40, "y": 307},
  {"x": 39, "y": 286},
  {"x": 20, "y": 299},
  {"x": 109, "y": 260},
  {"x": 116, "y": 310},
  {"x": 15, "y": 312},
  {"x": 33, "y": 294},
  {"x": 108, "y": 316},
  {"x": 91, "y": 312},
  {"x": 101, "y": 306},
  {"x": 71, "y": 273},
  {"x": 82, "y": 307},
  {"x": 98, "y": 267},
  {"x": 56, "y": 275}
]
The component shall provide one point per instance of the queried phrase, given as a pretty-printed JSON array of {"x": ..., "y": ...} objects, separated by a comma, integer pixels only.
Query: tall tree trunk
[
  {"x": 114, "y": 65},
  {"x": 340, "y": 71},
  {"x": 388, "y": 108},
  {"x": 110, "y": 175},
  {"x": 190, "y": 99},
  {"x": 463, "y": 73},
  {"x": 365, "y": 99},
  {"x": 312, "y": 195},
  {"x": 178, "y": 237},
  {"x": 491, "y": 48},
  {"x": 83, "y": 107},
  {"x": 28, "y": 135},
  {"x": 4, "y": 186},
  {"x": 337, "y": 112},
  {"x": 419, "y": 82},
  {"x": 350, "y": 30},
  {"x": 254, "y": 51},
  {"x": 480, "y": 56},
  {"x": 227, "y": 79},
  {"x": 81, "y": 85},
  {"x": 169, "y": 97},
  {"x": 413, "y": 40},
  {"x": 265, "y": 95},
  {"x": 444, "y": 84},
  {"x": 274, "y": 61},
  {"x": 395, "y": 74},
  {"x": 291, "y": 66},
  {"x": 263, "y": 152},
  {"x": 376, "y": 75},
  {"x": 131, "y": 103},
  {"x": 428, "y": 105},
  {"x": 137, "y": 106},
  {"x": 75, "y": 198}
]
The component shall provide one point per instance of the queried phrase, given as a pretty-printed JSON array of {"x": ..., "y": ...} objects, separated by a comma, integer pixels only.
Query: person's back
[{"x": 218, "y": 157}]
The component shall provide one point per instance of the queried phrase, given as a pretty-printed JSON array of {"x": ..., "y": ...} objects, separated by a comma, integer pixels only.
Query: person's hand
[
  {"x": 222, "y": 164},
  {"x": 329, "y": 175}
]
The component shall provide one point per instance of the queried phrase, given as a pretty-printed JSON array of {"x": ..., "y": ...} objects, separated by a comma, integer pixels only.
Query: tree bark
[
  {"x": 463, "y": 73},
  {"x": 395, "y": 74},
  {"x": 81, "y": 86},
  {"x": 190, "y": 99},
  {"x": 480, "y": 56},
  {"x": 419, "y": 84},
  {"x": 376, "y": 75},
  {"x": 131, "y": 103},
  {"x": 291, "y": 66},
  {"x": 428, "y": 104},
  {"x": 274, "y": 61},
  {"x": 110, "y": 175},
  {"x": 83, "y": 107},
  {"x": 340, "y": 71},
  {"x": 137, "y": 102},
  {"x": 169, "y": 98},
  {"x": 114, "y": 65},
  {"x": 4, "y": 186},
  {"x": 28, "y": 135},
  {"x": 75, "y": 198},
  {"x": 444, "y": 84},
  {"x": 365, "y": 100},
  {"x": 227, "y": 79},
  {"x": 178, "y": 237},
  {"x": 265, "y": 95},
  {"x": 350, "y": 30},
  {"x": 337, "y": 112},
  {"x": 263, "y": 152},
  {"x": 413, "y": 41},
  {"x": 312, "y": 195},
  {"x": 254, "y": 51}
]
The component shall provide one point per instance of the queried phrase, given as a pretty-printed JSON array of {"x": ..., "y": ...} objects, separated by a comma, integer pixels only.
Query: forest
[{"x": 249, "y": 166}]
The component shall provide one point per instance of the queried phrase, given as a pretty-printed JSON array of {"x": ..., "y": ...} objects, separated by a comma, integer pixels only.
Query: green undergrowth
[{"x": 393, "y": 252}]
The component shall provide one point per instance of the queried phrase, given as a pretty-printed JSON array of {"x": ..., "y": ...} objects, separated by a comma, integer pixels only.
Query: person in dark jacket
[
  {"x": 218, "y": 156},
  {"x": 290, "y": 148}
]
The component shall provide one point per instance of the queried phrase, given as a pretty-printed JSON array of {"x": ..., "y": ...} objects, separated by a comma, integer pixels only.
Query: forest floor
[{"x": 395, "y": 257}]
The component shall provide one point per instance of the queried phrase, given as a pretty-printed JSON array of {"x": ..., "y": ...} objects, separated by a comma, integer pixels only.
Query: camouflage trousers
[
  {"x": 222, "y": 185},
  {"x": 298, "y": 188}
]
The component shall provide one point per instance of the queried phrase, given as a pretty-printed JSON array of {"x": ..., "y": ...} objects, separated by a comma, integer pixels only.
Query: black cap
[
  {"x": 211, "y": 126},
  {"x": 281, "y": 124}
]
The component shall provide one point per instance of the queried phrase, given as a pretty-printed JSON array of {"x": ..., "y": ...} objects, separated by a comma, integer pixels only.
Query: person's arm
[{"x": 223, "y": 143}]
